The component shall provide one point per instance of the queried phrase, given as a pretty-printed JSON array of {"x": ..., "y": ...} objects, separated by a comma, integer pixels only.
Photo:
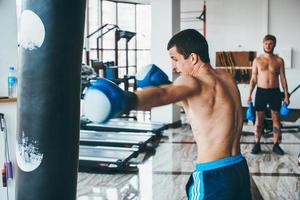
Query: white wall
[
  {"x": 8, "y": 57},
  {"x": 8, "y": 41},
  {"x": 10, "y": 112},
  {"x": 284, "y": 23},
  {"x": 234, "y": 25}
]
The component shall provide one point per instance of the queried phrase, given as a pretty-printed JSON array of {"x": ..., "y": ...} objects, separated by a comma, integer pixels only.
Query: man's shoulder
[
  {"x": 278, "y": 58},
  {"x": 259, "y": 58},
  {"x": 226, "y": 78},
  {"x": 223, "y": 73},
  {"x": 186, "y": 80}
]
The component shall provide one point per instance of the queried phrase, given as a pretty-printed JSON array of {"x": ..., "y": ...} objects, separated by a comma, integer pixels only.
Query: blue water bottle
[{"x": 12, "y": 82}]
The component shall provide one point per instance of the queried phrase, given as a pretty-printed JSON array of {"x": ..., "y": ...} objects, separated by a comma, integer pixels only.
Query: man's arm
[
  {"x": 104, "y": 99},
  {"x": 253, "y": 79},
  {"x": 182, "y": 88},
  {"x": 283, "y": 82}
]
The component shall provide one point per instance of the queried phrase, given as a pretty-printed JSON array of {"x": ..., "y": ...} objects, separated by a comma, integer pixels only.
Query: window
[
  {"x": 109, "y": 17},
  {"x": 131, "y": 17},
  {"x": 128, "y": 17}
]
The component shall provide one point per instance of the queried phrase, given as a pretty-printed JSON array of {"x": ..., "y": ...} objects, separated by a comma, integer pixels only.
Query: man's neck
[
  {"x": 269, "y": 55},
  {"x": 200, "y": 69}
]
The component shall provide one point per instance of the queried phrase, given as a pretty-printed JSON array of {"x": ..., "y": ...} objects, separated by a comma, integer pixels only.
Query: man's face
[
  {"x": 179, "y": 63},
  {"x": 268, "y": 46}
]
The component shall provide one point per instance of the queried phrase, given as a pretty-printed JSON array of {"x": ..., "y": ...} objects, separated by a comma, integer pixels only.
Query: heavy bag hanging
[{"x": 47, "y": 145}]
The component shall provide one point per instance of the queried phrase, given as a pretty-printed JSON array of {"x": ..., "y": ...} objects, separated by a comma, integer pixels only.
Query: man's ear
[{"x": 194, "y": 58}]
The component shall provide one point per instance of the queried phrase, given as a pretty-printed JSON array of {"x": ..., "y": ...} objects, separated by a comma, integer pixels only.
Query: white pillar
[
  {"x": 165, "y": 23},
  {"x": 266, "y": 17}
]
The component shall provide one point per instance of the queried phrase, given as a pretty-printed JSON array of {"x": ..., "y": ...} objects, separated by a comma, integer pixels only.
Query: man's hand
[
  {"x": 104, "y": 100},
  {"x": 249, "y": 100},
  {"x": 287, "y": 100}
]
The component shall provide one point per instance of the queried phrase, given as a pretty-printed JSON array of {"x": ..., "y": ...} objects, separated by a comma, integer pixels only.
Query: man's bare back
[
  {"x": 212, "y": 104},
  {"x": 214, "y": 114}
]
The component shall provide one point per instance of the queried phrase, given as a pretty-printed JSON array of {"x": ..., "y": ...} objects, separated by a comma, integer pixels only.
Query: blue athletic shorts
[{"x": 224, "y": 179}]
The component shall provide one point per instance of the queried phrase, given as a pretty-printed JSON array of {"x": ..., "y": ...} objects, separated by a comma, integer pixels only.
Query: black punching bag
[{"x": 51, "y": 40}]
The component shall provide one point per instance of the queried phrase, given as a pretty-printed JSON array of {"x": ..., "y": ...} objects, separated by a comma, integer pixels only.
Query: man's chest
[{"x": 269, "y": 67}]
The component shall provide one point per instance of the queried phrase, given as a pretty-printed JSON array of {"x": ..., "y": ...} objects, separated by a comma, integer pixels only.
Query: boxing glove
[
  {"x": 250, "y": 112},
  {"x": 284, "y": 110},
  {"x": 151, "y": 75},
  {"x": 104, "y": 100}
]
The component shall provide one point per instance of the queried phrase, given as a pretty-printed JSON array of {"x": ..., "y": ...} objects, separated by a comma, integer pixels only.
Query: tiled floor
[{"x": 164, "y": 175}]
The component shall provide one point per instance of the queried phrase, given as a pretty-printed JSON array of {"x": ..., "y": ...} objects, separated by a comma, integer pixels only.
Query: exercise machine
[
  {"x": 122, "y": 125},
  {"x": 119, "y": 139},
  {"x": 105, "y": 158}
]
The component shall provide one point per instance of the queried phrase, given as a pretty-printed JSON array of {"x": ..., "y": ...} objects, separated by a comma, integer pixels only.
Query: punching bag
[{"x": 47, "y": 145}]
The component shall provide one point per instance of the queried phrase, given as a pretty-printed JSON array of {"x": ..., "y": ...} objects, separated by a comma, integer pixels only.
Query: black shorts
[{"x": 264, "y": 97}]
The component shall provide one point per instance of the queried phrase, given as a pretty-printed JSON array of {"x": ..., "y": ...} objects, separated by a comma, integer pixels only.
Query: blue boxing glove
[
  {"x": 104, "y": 100},
  {"x": 151, "y": 75},
  {"x": 284, "y": 110},
  {"x": 250, "y": 112}
]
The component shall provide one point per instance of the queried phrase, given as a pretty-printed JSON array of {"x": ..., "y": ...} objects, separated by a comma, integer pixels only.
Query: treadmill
[
  {"x": 121, "y": 139},
  {"x": 105, "y": 158},
  {"x": 121, "y": 125}
]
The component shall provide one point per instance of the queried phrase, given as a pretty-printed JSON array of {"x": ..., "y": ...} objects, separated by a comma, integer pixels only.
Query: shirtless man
[
  {"x": 212, "y": 103},
  {"x": 266, "y": 70}
]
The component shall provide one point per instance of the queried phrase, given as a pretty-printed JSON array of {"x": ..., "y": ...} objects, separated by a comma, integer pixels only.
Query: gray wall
[{"x": 240, "y": 25}]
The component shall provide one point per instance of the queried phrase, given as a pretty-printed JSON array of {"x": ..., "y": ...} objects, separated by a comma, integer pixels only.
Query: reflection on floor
[{"x": 164, "y": 175}]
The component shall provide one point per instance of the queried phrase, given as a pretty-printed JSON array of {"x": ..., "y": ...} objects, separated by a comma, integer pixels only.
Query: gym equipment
[
  {"x": 106, "y": 158},
  {"x": 127, "y": 35},
  {"x": 250, "y": 112},
  {"x": 6, "y": 171},
  {"x": 120, "y": 125},
  {"x": 111, "y": 72},
  {"x": 109, "y": 27},
  {"x": 49, "y": 99},
  {"x": 104, "y": 100},
  {"x": 122, "y": 139},
  {"x": 284, "y": 110}
]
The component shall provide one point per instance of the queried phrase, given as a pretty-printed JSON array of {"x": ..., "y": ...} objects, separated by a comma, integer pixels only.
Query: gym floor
[{"x": 164, "y": 175}]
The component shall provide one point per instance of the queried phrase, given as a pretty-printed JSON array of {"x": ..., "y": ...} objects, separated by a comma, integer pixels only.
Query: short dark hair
[
  {"x": 190, "y": 41},
  {"x": 270, "y": 37}
]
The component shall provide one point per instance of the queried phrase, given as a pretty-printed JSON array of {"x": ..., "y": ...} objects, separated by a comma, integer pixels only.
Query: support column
[
  {"x": 49, "y": 99},
  {"x": 266, "y": 17},
  {"x": 165, "y": 23}
]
